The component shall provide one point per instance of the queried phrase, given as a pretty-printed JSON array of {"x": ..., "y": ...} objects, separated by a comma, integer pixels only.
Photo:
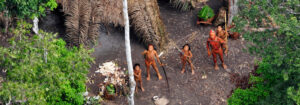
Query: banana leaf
[
  {"x": 206, "y": 12},
  {"x": 110, "y": 89}
]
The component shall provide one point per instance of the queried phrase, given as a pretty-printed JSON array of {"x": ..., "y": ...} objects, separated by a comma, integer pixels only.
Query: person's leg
[
  {"x": 148, "y": 69},
  {"x": 225, "y": 46},
  {"x": 192, "y": 66},
  {"x": 220, "y": 53},
  {"x": 222, "y": 59},
  {"x": 141, "y": 84},
  {"x": 136, "y": 87},
  {"x": 156, "y": 69},
  {"x": 183, "y": 65},
  {"x": 215, "y": 60}
]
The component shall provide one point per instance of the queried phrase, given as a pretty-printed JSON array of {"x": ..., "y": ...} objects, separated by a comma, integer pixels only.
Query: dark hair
[
  {"x": 220, "y": 26},
  {"x": 187, "y": 45},
  {"x": 136, "y": 65},
  {"x": 151, "y": 45}
]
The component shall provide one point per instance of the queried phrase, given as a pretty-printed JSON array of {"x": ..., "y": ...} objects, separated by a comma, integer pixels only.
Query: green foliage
[
  {"x": 94, "y": 100},
  {"x": 111, "y": 89},
  {"x": 206, "y": 12},
  {"x": 247, "y": 96},
  {"x": 294, "y": 94},
  {"x": 41, "y": 70},
  {"x": 26, "y": 8},
  {"x": 279, "y": 49}
]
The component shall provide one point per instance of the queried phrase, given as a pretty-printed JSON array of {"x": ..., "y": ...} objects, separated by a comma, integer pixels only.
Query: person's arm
[
  {"x": 207, "y": 47},
  {"x": 136, "y": 75},
  {"x": 181, "y": 53},
  {"x": 191, "y": 55},
  {"x": 221, "y": 41},
  {"x": 140, "y": 73},
  {"x": 226, "y": 33},
  {"x": 157, "y": 57},
  {"x": 143, "y": 53}
]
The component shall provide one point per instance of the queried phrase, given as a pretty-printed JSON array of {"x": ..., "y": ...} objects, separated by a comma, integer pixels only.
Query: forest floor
[{"x": 186, "y": 89}]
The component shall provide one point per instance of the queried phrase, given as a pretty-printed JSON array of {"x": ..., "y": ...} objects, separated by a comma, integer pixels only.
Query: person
[
  {"x": 223, "y": 35},
  {"x": 214, "y": 43},
  {"x": 138, "y": 76},
  {"x": 150, "y": 55},
  {"x": 186, "y": 56}
]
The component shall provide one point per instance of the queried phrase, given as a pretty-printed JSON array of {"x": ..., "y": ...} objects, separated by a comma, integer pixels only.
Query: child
[
  {"x": 186, "y": 57},
  {"x": 150, "y": 55},
  {"x": 138, "y": 76}
]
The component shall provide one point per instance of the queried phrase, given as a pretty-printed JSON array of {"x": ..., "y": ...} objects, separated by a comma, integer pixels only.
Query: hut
[{"x": 84, "y": 17}]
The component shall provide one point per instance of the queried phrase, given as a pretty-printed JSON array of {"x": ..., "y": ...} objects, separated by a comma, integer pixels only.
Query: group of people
[{"x": 216, "y": 42}]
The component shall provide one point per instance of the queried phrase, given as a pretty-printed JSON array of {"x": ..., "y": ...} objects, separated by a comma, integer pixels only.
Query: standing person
[
  {"x": 138, "y": 76},
  {"x": 150, "y": 54},
  {"x": 186, "y": 56},
  {"x": 223, "y": 35},
  {"x": 214, "y": 43}
]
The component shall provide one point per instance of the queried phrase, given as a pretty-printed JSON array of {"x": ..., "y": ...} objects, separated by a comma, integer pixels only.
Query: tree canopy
[
  {"x": 26, "y": 8},
  {"x": 272, "y": 27},
  {"x": 32, "y": 80}
]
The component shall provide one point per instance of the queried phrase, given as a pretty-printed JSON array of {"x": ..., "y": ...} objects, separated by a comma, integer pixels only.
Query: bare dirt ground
[{"x": 185, "y": 88}]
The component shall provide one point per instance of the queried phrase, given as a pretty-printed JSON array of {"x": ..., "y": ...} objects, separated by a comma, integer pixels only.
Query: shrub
[
  {"x": 278, "y": 82},
  {"x": 42, "y": 70}
]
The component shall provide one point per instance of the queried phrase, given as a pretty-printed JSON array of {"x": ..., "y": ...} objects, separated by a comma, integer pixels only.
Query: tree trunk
[
  {"x": 232, "y": 10},
  {"x": 128, "y": 54},
  {"x": 6, "y": 25},
  {"x": 35, "y": 29},
  {"x": 5, "y": 21}
]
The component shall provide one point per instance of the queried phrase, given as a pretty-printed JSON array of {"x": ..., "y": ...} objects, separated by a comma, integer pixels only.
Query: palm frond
[
  {"x": 71, "y": 10},
  {"x": 145, "y": 18}
]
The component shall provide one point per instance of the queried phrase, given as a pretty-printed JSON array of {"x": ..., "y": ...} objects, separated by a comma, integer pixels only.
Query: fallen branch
[
  {"x": 261, "y": 29},
  {"x": 289, "y": 10},
  {"x": 273, "y": 24}
]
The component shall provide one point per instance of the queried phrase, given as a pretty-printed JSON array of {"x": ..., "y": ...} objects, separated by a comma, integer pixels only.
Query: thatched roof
[
  {"x": 71, "y": 10},
  {"x": 103, "y": 11},
  {"x": 83, "y": 18},
  {"x": 111, "y": 11},
  {"x": 145, "y": 18}
]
